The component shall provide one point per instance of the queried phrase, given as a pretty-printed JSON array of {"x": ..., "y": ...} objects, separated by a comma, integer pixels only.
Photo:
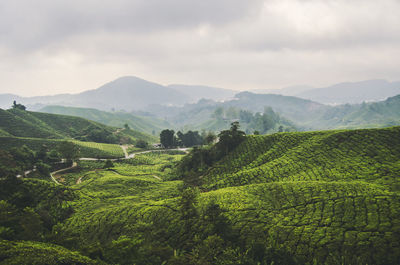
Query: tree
[
  {"x": 142, "y": 144},
  {"x": 210, "y": 138},
  {"x": 18, "y": 106},
  {"x": 8, "y": 165},
  {"x": 189, "y": 139},
  {"x": 229, "y": 139},
  {"x": 126, "y": 126},
  {"x": 68, "y": 150},
  {"x": 167, "y": 138},
  {"x": 108, "y": 164}
]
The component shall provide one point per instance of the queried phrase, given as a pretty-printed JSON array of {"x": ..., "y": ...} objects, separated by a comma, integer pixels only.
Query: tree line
[{"x": 170, "y": 139}]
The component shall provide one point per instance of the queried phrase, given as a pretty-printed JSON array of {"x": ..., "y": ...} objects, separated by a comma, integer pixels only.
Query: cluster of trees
[
  {"x": 169, "y": 139},
  {"x": 99, "y": 135},
  {"x": 18, "y": 106},
  {"x": 20, "y": 159},
  {"x": 200, "y": 159}
]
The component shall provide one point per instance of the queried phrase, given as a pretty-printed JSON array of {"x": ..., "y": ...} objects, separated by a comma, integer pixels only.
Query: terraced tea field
[
  {"x": 324, "y": 197},
  {"x": 86, "y": 149}
]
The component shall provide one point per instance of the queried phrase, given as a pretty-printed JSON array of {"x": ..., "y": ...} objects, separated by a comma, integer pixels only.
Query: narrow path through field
[
  {"x": 74, "y": 164},
  {"x": 26, "y": 172},
  {"x": 124, "y": 148},
  {"x": 127, "y": 156},
  {"x": 157, "y": 177}
]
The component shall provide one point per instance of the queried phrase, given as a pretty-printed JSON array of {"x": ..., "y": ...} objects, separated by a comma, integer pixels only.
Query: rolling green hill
[
  {"x": 327, "y": 197},
  {"x": 117, "y": 119},
  {"x": 27, "y": 252},
  {"x": 86, "y": 149},
  {"x": 29, "y": 124},
  {"x": 370, "y": 155},
  {"x": 324, "y": 197}
]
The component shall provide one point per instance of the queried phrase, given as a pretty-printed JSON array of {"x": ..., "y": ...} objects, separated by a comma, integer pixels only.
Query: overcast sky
[{"x": 57, "y": 46}]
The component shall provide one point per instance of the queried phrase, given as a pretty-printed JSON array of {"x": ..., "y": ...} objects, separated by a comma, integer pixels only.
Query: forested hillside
[{"x": 302, "y": 114}]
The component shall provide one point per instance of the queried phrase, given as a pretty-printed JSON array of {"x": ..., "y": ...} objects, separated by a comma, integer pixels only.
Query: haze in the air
[{"x": 51, "y": 47}]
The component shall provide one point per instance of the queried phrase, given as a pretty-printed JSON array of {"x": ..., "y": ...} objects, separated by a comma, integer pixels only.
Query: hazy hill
[
  {"x": 286, "y": 91},
  {"x": 342, "y": 93},
  {"x": 195, "y": 93},
  {"x": 125, "y": 93},
  {"x": 353, "y": 92},
  {"x": 129, "y": 93},
  {"x": 305, "y": 114},
  {"x": 116, "y": 119},
  {"x": 294, "y": 108}
]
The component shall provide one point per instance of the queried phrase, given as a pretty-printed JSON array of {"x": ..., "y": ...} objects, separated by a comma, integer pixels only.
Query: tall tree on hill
[
  {"x": 18, "y": 106},
  {"x": 229, "y": 139},
  {"x": 167, "y": 138},
  {"x": 68, "y": 151}
]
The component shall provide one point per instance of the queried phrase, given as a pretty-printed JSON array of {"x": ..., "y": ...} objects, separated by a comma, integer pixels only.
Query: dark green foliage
[
  {"x": 18, "y": 106},
  {"x": 30, "y": 208},
  {"x": 189, "y": 139},
  {"x": 200, "y": 159},
  {"x": 8, "y": 165},
  {"x": 108, "y": 164},
  {"x": 142, "y": 144},
  {"x": 68, "y": 150},
  {"x": 167, "y": 138},
  {"x": 229, "y": 139}
]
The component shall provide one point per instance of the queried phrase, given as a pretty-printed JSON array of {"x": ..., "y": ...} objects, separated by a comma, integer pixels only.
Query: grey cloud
[
  {"x": 27, "y": 24},
  {"x": 228, "y": 43}
]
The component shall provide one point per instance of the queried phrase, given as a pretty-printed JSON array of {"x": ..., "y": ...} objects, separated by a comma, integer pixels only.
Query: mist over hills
[
  {"x": 131, "y": 93},
  {"x": 342, "y": 93},
  {"x": 195, "y": 92},
  {"x": 126, "y": 93}
]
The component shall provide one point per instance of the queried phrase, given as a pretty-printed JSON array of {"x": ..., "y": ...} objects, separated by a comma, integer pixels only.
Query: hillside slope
[
  {"x": 117, "y": 119},
  {"x": 330, "y": 197},
  {"x": 21, "y": 123},
  {"x": 370, "y": 155}
]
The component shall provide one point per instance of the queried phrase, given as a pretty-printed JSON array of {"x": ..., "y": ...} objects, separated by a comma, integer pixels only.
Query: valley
[{"x": 257, "y": 179}]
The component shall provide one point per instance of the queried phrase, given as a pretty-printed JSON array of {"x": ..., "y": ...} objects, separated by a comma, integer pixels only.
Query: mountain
[
  {"x": 129, "y": 93},
  {"x": 286, "y": 91},
  {"x": 117, "y": 119},
  {"x": 353, "y": 92},
  {"x": 125, "y": 93},
  {"x": 195, "y": 93}
]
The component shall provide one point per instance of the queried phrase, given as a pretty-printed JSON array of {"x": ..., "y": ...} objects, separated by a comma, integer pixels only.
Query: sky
[{"x": 68, "y": 46}]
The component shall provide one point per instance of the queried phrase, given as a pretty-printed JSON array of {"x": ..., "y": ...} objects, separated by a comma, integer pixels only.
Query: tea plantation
[{"x": 326, "y": 197}]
